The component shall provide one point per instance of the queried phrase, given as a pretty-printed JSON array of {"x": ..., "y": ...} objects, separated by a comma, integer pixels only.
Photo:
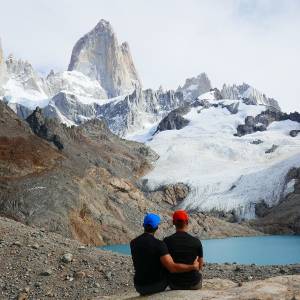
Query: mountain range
[{"x": 229, "y": 151}]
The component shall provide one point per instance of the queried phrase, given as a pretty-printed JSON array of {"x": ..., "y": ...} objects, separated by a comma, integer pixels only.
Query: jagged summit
[
  {"x": 2, "y": 66},
  {"x": 245, "y": 91},
  {"x": 195, "y": 86},
  {"x": 103, "y": 25},
  {"x": 99, "y": 56}
]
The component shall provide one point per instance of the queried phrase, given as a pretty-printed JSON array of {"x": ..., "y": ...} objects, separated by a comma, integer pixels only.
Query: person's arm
[
  {"x": 200, "y": 255},
  {"x": 168, "y": 262},
  {"x": 201, "y": 263}
]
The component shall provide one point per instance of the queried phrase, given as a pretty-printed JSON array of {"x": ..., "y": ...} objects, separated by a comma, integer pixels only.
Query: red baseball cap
[{"x": 180, "y": 215}]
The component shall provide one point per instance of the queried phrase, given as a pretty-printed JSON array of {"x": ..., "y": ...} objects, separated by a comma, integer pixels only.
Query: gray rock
[
  {"x": 272, "y": 149},
  {"x": 67, "y": 258},
  {"x": 42, "y": 128},
  {"x": 99, "y": 56},
  {"x": 256, "y": 142},
  {"x": 248, "y": 95},
  {"x": 294, "y": 133},
  {"x": 17, "y": 243},
  {"x": 194, "y": 87},
  {"x": 174, "y": 120},
  {"x": 233, "y": 108},
  {"x": 46, "y": 272}
]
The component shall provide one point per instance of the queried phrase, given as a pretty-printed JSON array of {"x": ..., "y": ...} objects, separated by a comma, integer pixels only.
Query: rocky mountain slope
[{"x": 83, "y": 182}]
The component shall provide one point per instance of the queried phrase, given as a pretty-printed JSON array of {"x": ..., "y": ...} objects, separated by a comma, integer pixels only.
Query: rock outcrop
[
  {"x": 99, "y": 56},
  {"x": 195, "y": 86},
  {"x": 248, "y": 94},
  {"x": 44, "y": 128},
  {"x": 174, "y": 120},
  {"x": 277, "y": 288},
  {"x": 264, "y": 119},
  {"x": 283, "y": 218},
  {"x": 3, "y": 75}
]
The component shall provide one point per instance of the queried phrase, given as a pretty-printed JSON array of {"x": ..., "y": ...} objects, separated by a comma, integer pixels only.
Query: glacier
[{"x": 223, "y": 171}]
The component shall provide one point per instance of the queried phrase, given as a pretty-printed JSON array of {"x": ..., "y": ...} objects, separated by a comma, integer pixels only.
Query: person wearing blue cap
[{"x": 151, "y": 259}]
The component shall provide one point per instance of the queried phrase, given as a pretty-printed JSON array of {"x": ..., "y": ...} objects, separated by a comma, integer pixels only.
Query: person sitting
[
  {"x": 184, "y": 248},
  {"x": 151, "y": 258}
]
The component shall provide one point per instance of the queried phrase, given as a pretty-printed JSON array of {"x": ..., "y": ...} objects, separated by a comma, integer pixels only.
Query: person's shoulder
[
  {"x": 136, "y": 239},
  {"x": 169, "y": 238},
  {"x": 194, "y": 238}
]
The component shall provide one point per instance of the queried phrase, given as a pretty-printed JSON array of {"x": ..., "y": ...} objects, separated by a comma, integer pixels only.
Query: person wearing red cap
[
  {"x": 184, "y": 248},
  {"x": 151, "y": 259}
]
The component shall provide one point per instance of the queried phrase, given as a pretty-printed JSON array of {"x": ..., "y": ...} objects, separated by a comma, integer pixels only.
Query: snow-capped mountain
[
  {"x": 99, "y": 68},
  {"x": 199, "y": 146},
  {"x": 222, "y": 143},
  {"x": 99, "y": 56},
  {"x": 245, "y": 91}
]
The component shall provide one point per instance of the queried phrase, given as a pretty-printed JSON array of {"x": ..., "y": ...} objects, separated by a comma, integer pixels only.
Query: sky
[{"x": 233, "y": 41}]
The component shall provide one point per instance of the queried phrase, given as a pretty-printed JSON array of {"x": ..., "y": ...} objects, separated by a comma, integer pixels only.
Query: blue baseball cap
[{"x": 151, "y": 219}]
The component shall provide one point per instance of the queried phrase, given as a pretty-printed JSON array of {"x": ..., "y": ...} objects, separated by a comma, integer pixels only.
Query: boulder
[
  {"x": 294, "y": 133},
  {"x": 174, "y": 120}
]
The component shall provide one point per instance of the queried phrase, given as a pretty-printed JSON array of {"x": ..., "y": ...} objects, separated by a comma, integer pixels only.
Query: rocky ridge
[
  {"x": 248, "y": 93},
  {"x": 100, "y": 69}
]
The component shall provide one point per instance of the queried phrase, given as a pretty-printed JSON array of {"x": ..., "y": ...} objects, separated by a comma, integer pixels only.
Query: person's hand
[{"x": 196, "y": 264}]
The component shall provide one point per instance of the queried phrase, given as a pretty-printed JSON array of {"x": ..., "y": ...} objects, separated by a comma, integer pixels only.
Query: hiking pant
[
  {"x": 197, "y": 286},
  {"x": 156, "y": 287}
]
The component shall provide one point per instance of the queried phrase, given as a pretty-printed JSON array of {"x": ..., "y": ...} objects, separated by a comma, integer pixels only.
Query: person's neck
[
  {"x": 152, "y": 233},
  {"x": 184, "y": 229}
]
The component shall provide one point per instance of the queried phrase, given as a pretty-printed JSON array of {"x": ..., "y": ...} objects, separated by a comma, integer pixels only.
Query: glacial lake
[{"x": 261, "y": 250}]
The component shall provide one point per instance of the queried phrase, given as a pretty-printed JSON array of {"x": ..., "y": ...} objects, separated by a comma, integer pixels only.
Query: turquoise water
[{"x": 261, "y": 250}]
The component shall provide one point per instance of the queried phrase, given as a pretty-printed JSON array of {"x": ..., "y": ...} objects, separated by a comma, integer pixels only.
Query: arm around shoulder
[{"x": 168, "y": 262}]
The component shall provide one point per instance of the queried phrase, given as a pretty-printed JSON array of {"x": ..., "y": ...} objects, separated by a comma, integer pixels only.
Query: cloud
[{"x": 234, "y": 41}]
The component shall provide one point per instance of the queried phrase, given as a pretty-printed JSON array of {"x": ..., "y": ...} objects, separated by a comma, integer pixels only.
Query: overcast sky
[{"x": 233, "y": 41}]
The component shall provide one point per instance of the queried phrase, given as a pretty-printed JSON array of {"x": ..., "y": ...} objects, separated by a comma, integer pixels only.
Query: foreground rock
[
  {"x": 40, "y": 273},
  {"x": 278, "y": 288}
]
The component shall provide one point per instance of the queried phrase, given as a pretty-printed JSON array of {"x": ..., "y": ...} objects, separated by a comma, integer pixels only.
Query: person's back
[
  {"x": 184, "y": 248},
  {"x": 146, "y": 251},
  {"x": 150, "y": 258}
]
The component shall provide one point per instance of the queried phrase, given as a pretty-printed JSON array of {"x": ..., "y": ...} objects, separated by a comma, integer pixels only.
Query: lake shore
[{"x": 36, "y": 264}]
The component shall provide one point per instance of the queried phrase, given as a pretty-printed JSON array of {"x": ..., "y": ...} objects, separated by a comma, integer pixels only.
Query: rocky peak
[
  {"x": 195, "y": 86},
  {"x": 99, "y": 56},
  {"x": 249, "y": 94},
  {"x": 23, "y": 72},
  {"x": 2, "y": 66}
]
